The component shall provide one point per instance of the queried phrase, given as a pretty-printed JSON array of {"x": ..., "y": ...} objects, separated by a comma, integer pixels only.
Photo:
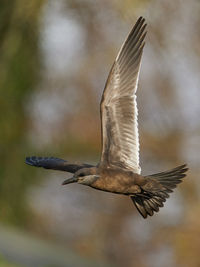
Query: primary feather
[{"x": 120, "y": 138}]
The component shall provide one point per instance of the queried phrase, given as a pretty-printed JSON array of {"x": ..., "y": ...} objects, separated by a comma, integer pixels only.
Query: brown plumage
[{"x": 118, "y": 170}]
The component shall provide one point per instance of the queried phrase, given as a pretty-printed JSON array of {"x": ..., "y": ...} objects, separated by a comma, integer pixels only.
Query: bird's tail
[{"x": 157, "y": 190}]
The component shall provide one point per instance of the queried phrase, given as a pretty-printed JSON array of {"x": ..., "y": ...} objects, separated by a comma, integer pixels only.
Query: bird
[{"x": 118, "y": 170}]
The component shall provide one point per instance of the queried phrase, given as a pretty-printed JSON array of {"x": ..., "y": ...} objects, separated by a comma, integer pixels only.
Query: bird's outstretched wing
[
  {"x": 120, "y": 138},
  {"x": 56, "y": 164}
]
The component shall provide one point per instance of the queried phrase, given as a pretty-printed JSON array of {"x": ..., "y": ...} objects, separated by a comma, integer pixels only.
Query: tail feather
[{"x": 163, "y": 183}]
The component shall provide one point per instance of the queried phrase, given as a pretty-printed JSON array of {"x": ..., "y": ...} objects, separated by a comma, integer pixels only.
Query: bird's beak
[{"x": 70, "y": 180}]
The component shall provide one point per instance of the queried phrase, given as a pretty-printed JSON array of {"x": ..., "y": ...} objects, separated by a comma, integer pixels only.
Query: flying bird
[{"x": 119, "y": 170}]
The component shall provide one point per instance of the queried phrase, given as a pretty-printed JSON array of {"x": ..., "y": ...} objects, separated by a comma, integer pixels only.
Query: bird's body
[
  {"x": 117, "y": 181},
  {"x": 118, "y": 170}
]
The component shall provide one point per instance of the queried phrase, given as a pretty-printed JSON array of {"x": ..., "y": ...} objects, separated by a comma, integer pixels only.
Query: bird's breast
[{"x": 117, "y": 182}]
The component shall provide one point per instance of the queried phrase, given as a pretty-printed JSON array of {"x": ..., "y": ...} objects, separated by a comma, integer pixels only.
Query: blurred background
[{"x": 55, "y": 56}]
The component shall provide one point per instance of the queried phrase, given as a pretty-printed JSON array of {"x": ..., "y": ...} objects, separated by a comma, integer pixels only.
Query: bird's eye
[{"x": 81, "y": 174}]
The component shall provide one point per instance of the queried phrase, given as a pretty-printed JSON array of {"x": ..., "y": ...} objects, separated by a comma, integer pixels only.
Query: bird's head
[{"x": 83, "y": 176}]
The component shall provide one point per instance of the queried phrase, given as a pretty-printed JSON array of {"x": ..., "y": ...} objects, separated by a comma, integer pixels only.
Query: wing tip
[
  {"x": 141, "y": 18},
  {"x": 30, "y": 160},
  {"x": 33, "y": 161}
]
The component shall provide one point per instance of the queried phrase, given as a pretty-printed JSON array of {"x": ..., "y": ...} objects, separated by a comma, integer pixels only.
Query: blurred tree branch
[{"x": 19, "y": 61}]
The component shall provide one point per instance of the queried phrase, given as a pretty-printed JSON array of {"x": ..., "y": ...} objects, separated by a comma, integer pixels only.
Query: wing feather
[
  {"x": 56, "y": 164},
  {"x": 120, "y": 137}
]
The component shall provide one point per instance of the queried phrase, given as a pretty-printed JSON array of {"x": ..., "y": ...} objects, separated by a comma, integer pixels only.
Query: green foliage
[
  {"x": 19, "y": 60},
  {"x": 4, "y": 263}
]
